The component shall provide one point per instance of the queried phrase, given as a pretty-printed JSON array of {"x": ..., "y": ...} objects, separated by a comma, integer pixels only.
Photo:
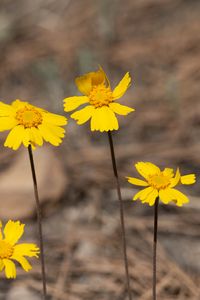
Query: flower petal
[
  {"x": 27, "y": 138},
  {"x": 72, "y": 103},
  {"x": 143, "y": 193},
  {"x": 30, "y": 250},
  {"x": 98, "y": 77},
  {"x": 23, "y": 262},
  {"x": 188, "y": 179},
  {"x": 104, "y": 119},
  {"x": 151, "y": 198},
  {"x": 178, "y": 197},
  {"x": 168, "y": 172},
  {"x": 7, "y": 123},
  {"x": 49, "y": 136},
  {"x": 37, "y": 136},
  {"x": 18, "y": 104},
  {"x": 120, "y": 109},
  {"x": 165, "y": 196},
  {"x": 6, "y": 110},
  {"x": 15, "y": 137},
  {"x": 136, "y": 181},
  {"x": 56, "y": 130},
  {"x": 54, "y": 119},
  {"x": 84, "y": 83},
  {"x": 174, "y": 181},
  {"x": 10, "y": 268},
  {"x": 147, "y": 169},
  {"x": 121, "y": 88},
  {"x": 1, "y": 265},
  {"x": 13, "y": 231},
  {"x": 33, "y": 136},
  {"x": 83, "y": 115}
]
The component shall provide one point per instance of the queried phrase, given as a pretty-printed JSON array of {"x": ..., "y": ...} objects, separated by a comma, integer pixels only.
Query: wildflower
[
  {"x": 30, "y": 125},
  {"x": 100, "y": 99},
  {"x": 10, "y": 251},
  {"x": 160, "y": 184}
]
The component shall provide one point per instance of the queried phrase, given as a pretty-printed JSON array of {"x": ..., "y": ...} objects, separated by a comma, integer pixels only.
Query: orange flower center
[
  {"x": 29, "y": 117},
  {"x": 159, "y": 181},
  {"x": 6, "y": 250},
  {"x": 100, "y": 96}
]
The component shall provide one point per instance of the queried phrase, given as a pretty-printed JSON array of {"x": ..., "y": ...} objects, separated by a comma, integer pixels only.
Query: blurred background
[{"x": 44, "y": 45}]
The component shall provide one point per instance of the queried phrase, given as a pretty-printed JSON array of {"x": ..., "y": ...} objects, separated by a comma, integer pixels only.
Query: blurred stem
[
  {"x": 121, "y": 213},
  {"x": 39, "y": 221},
  {"x": 155, "y": 246}
]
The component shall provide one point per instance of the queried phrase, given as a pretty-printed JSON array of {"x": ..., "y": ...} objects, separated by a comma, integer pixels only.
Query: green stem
[
  {"x": 39, "y": 221},
  {"x": 155, "y": 247},
  {"x": 121, "y": 213}
]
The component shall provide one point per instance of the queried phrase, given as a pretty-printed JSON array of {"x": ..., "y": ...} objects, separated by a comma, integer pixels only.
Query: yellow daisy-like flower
[
  {"x": 100, "y": 99},
  {"x": 160, "y": 184},
  {"x": 30, "y": 125},
  {"x": 10, "y": 251}
]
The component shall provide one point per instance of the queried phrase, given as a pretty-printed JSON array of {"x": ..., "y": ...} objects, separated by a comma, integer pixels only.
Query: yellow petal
[
  {"x": 136, "y": 181},
  {"x": 56, "y": 130},
  {"x": 13, "y": 231},
  {"x": 147, "y": 169},
  {"x": 1, "y": 265},
  {"x": 165, "y": 196},
  {"x": 174, "y": 181},
  {"x": 49, "y": 136},
  {"x": 27, "y": 137},
  {"x": 178, "y": 197},
  {"x": 6, "y": 110},
  {"x": 72, "y": 103},
  {"x": 188, "y": 179},
  {"x": 83, "y": 115},
  {"x": 23, "y": 262},
  {"x": 122, "y": 86},
  {"x": 54, "y": 119},
  {"x": 15, "y": 137},
  {"x": 10, "y": 268},
  {"x": 98, "y": 77},
  {"x": 37, "y": 136},
  {"x": 7, "y": 123},
  {"x": 151, "y": 198},
  {"x": 88, "y": 80},
  {"x": 30, "y": 250},
  {"x": 142, "y": 195},
  {"x": 104, "y": 119},
  {"x": 18, "y": 104},
  {"x": 168, "y": 172},
  {"x": 84, "y": 84},
  {"x": 120, "y": 109}
]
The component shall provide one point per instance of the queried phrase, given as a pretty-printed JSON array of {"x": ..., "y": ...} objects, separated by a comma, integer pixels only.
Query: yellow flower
[
  {"x": 160, "y": 184},
  {"x": 100, "y": 99},
  {"x": 10, "y": 252},
  {"x": 30, "y": 125}
]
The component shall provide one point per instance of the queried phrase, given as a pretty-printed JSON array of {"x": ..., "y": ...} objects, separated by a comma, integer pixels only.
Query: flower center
[
  {"x": 29, "y": 117},
  {"x": 6, "y": 250},
  {"x": 100, "y": 96},
  {"x": 159, "y": 181}
]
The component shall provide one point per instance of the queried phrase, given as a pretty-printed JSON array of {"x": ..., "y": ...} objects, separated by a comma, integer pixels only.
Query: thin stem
[
  {"x": 39, "y": 219},
  {"x": 155, "y": 230},
  {"x": 121, "y": 213}
]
